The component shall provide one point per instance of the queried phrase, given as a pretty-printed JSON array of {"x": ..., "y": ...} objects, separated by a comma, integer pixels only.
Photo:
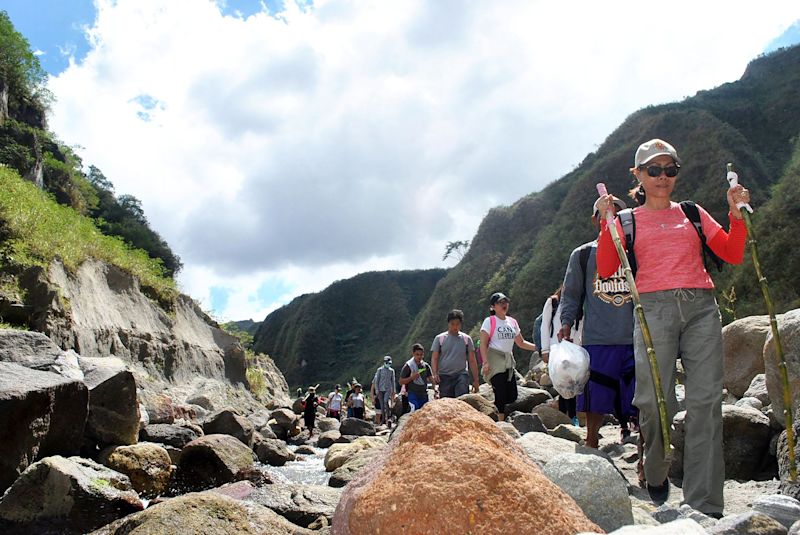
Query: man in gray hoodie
[{"x": 607, "y": 312}]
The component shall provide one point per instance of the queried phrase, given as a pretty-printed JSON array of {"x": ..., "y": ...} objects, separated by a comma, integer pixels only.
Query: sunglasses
[{"x": 655, "y": 171}]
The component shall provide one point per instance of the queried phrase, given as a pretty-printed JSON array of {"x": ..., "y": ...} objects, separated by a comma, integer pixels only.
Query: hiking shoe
[
  {"x": 659, "y": 493},
  {"x": 575, "y": 421},
  {"x": 716, "y": 515}
]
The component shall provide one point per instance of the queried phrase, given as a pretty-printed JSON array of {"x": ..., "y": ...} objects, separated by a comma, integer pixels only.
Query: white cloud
[{"x": 357, "y": 135}]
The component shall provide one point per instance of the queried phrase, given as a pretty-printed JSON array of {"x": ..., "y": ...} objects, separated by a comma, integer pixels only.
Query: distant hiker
[
  {"x": 499, "y": 333},
  {"x": 310, "y": 404},
  {"x": 335, "y": 403},
  {"x": 452, "y": 354},
  {"x": 551, "y": 324},
  {"x": 677, "y": 295},
  {"x": 384, "y": 382},
  {"x": 356, "y": 402},
  {"x": 350, "y": 390},
  {"x": 376, "y": 403},
  {"x": 415, "y": 376},
  {"x": 607, "y": 334}
]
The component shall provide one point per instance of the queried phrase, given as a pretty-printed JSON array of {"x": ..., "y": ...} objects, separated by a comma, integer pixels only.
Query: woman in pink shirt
[{"x": 677, "y": 295}]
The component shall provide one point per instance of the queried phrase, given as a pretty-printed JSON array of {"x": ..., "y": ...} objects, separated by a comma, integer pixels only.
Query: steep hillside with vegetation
[
  {"x": 344, "y": 331},
  {"x": 37, "y": 155},
  {"x": 522, "y": 249}
]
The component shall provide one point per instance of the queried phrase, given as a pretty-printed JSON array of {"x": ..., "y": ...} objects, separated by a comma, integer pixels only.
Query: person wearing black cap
[{"x": 499, "y": 333}]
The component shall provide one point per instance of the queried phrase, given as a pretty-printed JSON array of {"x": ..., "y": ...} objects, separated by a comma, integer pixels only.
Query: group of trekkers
[{"x": 667, "y": 245}]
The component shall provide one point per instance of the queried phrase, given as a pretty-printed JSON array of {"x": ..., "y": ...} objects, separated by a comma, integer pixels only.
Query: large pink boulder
[{"x": 451, "y": 470}]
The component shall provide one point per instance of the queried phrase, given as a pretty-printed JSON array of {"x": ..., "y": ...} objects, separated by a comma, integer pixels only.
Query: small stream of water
[{"x": 310, "y": 470}]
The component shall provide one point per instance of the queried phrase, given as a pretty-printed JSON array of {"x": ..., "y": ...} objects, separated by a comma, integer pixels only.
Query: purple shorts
[{"x": 612, "y": 381}]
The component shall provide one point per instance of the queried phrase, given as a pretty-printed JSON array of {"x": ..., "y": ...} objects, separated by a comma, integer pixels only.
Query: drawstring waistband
[{"x": 683, "y": 294}]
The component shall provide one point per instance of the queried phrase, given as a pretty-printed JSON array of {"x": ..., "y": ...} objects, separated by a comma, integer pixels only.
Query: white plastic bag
[{"x": 568, "y": 368}]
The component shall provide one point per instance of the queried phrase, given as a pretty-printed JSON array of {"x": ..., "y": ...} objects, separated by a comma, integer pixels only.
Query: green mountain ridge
[
  {"x": 522, "y": 249},
  {"x": 345, "y": 330}
]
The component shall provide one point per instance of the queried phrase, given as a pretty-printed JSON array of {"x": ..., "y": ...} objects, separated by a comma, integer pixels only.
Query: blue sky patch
[{"x": 219, "y": 298}]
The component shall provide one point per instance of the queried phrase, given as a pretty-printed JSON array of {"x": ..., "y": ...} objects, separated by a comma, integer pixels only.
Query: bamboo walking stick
[
  {"x": 648, "y": 339},
  {"x": 746, "y": 210}
]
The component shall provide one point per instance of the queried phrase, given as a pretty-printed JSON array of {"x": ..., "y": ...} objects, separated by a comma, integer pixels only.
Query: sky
[{"x": 279, "y": 146}]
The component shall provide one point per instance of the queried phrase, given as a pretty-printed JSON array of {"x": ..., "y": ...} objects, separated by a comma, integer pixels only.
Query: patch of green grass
[{"x": 40, "y": 231}]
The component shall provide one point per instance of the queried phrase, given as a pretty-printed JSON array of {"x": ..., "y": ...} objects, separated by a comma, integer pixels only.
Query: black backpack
[{"x": 692, "y": 213}]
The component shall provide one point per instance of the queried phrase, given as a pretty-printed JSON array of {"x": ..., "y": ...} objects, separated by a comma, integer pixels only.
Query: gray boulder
[
  {"x": 595, "y": 486},
  {"x": 327, "y": 424},
  {"x": 206, "y": 513},
  {"x": 528, "y": 398},
  {"x": 551, "y": 418},
  {"x": 212, "y": 460},
  {"x": 41, "y": 414},
  {"x": 789, "y": 327},
  {"x": 481, "y": 404},
  {"x": 742, "y": 350},
  {"x": 300, "y": 504},
  {"x": 357, "y": 427},
  {"x": 67, "y": 494},
  {"x": 758, "y": 389},
  {"x": 750, "y": 523},
  {"x": 746, "y": 436},
  {"x": 351, "y": 468},
  {"x": 683, "y": 526},
  {"x": 753, "y": 403},
  {"x": 328, "y": 439},
  {"x": 567, "y": 432},
  {"x": 148, "y": 466},
  {"x": 543, "y": 448},
  {"x": 229, "y": 422},
  {"x": 273, "y": 452},
  {"x": 528, "y": 423},
  {"x": 285, "y": 418},
  {"x": 509, "y": 429},
  {"x": 795, "y": 529},
  {"x": 113, "y": 406},
  {"x": 784, "y": 509},
  {"x": 29, "y": 349},
  {"x": 174, "y": 435},
  {"x": 160, "y": 408}
]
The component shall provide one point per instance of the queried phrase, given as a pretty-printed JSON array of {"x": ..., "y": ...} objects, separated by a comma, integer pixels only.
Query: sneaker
[
  {"x": 575, "y": 421},
  {"x": 659, "y": 493},
  {"x": 716, "y": 514}
]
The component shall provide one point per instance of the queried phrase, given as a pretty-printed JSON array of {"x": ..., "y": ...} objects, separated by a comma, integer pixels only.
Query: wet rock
[
  {"x": 599, "y": 490},
  {"x": 72, "y": 493},
  {"x": 528, "y": 423},
  {"x": 784, "y": 509},
  {"x": 113, "y": 405},
  {"x": 483, "y": 481},
  {"x": 305, "y": 450},
  {"x": 338, "y": 454},
  {"x": 357, "y": 427},
  {"x": 273, "y": 452},
  {"x": 328, "y": 439},
  {"x": 758, "y": 389},
  {"x": 528, "y": 398},
  {"x": 742, "y": 352},
  {"x": 148, "y": 466},
  {"x": 551, "y": 418},
  {"x": 212, "y": 460},
  {"x": 230, "y": 422},
  {"x": 750, "y": 523},
  {"x": 300, "y": 504},
  {"x": 542, "y": 448},
  {"x": 173, "y": 435},
  {"x": 481, "y": 404},
  {"x": 204, "y": 512},
  {"x": 41, "y": 414}
]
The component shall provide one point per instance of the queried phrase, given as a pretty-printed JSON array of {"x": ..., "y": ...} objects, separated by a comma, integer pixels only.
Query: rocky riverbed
[{"x": 86, "y": 449}]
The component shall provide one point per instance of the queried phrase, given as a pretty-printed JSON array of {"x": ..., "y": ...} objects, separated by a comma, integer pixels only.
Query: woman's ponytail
[
  {"x": 638, "y": 194},
  {"x": 491, "y": 311}
]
